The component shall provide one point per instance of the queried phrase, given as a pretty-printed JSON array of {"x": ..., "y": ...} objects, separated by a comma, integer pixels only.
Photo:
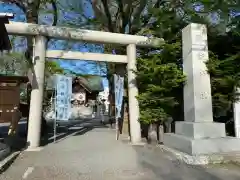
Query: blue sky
[{"x": 84, "y": 67}]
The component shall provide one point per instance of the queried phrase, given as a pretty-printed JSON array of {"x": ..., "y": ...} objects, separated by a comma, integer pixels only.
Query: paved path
[{"x": 96, "y": 155}]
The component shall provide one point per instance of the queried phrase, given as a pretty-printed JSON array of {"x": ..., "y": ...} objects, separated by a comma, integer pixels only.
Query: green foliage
[
  {"x": 158, "y": 76},
  {"x": 224, "y": 68},
  {"x": 13, "y": 64},
  {"x": 52, "y": 67}
]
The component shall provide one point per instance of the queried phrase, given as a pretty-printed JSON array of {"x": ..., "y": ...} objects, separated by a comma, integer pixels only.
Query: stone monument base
[
  {"x": 201, "y": 146},
  {"x": 201, "y": 139},
  {"x": 205, "y": 159}
]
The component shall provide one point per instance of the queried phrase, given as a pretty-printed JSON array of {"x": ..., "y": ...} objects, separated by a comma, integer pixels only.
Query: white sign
[
  {"x": 63, "y": 85},
  {"x": 119, "y": 90}
]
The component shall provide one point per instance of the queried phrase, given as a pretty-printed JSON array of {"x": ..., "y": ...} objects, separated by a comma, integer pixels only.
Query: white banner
[
  {"x": 63, "y": 87},
  {"x": 119, "y": 90}
]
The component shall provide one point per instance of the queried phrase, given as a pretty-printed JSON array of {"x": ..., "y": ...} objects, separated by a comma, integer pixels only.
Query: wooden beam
[
  {"x": 27, "y": 29},
  {"x": 71, "y": 55}
]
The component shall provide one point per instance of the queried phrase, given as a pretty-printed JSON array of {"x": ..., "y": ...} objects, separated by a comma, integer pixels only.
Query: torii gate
[{"x": 40, "y": 32}]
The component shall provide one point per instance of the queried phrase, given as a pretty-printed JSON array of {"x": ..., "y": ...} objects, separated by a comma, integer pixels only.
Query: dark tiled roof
[{"x": 94, "y": 83}]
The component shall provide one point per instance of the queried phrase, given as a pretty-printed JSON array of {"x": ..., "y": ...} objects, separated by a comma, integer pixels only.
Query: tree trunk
[
  {"x": 31, "y": 17},
  {"x": 152, "y": 134},
  {"x": 126, "y": 127},
  {"x": 155, "y": 133},
  {"x": 168, "y": 125},
  {"x": 160, "y": 133}
]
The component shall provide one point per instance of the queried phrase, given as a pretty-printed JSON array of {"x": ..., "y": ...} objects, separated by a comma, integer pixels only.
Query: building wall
[{"x": 9, "y": 100}]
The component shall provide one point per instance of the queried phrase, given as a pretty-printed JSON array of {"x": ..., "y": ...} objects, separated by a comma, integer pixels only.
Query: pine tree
[{"x": 158, "y": 77}]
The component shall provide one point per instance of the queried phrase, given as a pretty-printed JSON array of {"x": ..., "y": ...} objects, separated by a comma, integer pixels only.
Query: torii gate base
[{"x": 198, "y": 135}]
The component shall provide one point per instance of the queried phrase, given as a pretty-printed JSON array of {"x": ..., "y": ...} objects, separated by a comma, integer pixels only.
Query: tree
[
  {"x": 160, "y": 79},
  {"x": 119, "y": 16},
  {"x": 52, "y": 67},
  {"x": 13, "y": 64},
  {"x": 224, "y": 69},
  {"x": 140, "y": 17},
  {"x": 31, "y": 8},
  {"x": 158, "y": 76}
]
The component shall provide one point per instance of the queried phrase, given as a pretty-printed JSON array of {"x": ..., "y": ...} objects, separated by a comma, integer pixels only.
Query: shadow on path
[
  {"x": 169, "y": 168},
  {"x": 74, "y": 128},
  {"x": 64, "y": 130}
]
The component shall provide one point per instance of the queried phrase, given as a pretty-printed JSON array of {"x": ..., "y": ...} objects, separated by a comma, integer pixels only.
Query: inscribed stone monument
[{"x": 198, "y": 134}]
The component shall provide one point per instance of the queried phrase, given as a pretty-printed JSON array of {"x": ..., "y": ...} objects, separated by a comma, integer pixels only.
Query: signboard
[
  {"x": 119, "y": 90},
  {"x": 63, "y": 90}
]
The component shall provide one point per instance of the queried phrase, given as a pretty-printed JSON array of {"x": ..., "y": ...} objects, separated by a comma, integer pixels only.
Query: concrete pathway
[{"x": 94, "y": 154}]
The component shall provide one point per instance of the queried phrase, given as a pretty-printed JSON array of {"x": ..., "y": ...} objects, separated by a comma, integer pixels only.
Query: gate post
[
  {"x": 35, "y": 111},
  {"x": 135, "y": 129},
  {"x": 236, "y": 113}
]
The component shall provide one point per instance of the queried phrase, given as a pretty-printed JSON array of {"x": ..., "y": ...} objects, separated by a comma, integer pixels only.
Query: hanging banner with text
[
  {"x": 119, "y": 90},
  {"x": 63, "y": 93}
]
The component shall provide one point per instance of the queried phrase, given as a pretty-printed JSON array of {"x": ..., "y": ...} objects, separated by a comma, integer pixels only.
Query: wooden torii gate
[{"x": 41, "y": 32}]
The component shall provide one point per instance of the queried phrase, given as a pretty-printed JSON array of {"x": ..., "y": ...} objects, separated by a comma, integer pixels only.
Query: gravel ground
[{"x": 95, "y": 155}]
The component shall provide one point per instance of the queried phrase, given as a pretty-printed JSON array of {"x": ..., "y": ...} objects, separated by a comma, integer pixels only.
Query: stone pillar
[
  {"x": 236, "y": 110},
  {"x": 135, "y": 129},
  {"x": 35, "y": 112},
  {"x": 198, "y": 134}
]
